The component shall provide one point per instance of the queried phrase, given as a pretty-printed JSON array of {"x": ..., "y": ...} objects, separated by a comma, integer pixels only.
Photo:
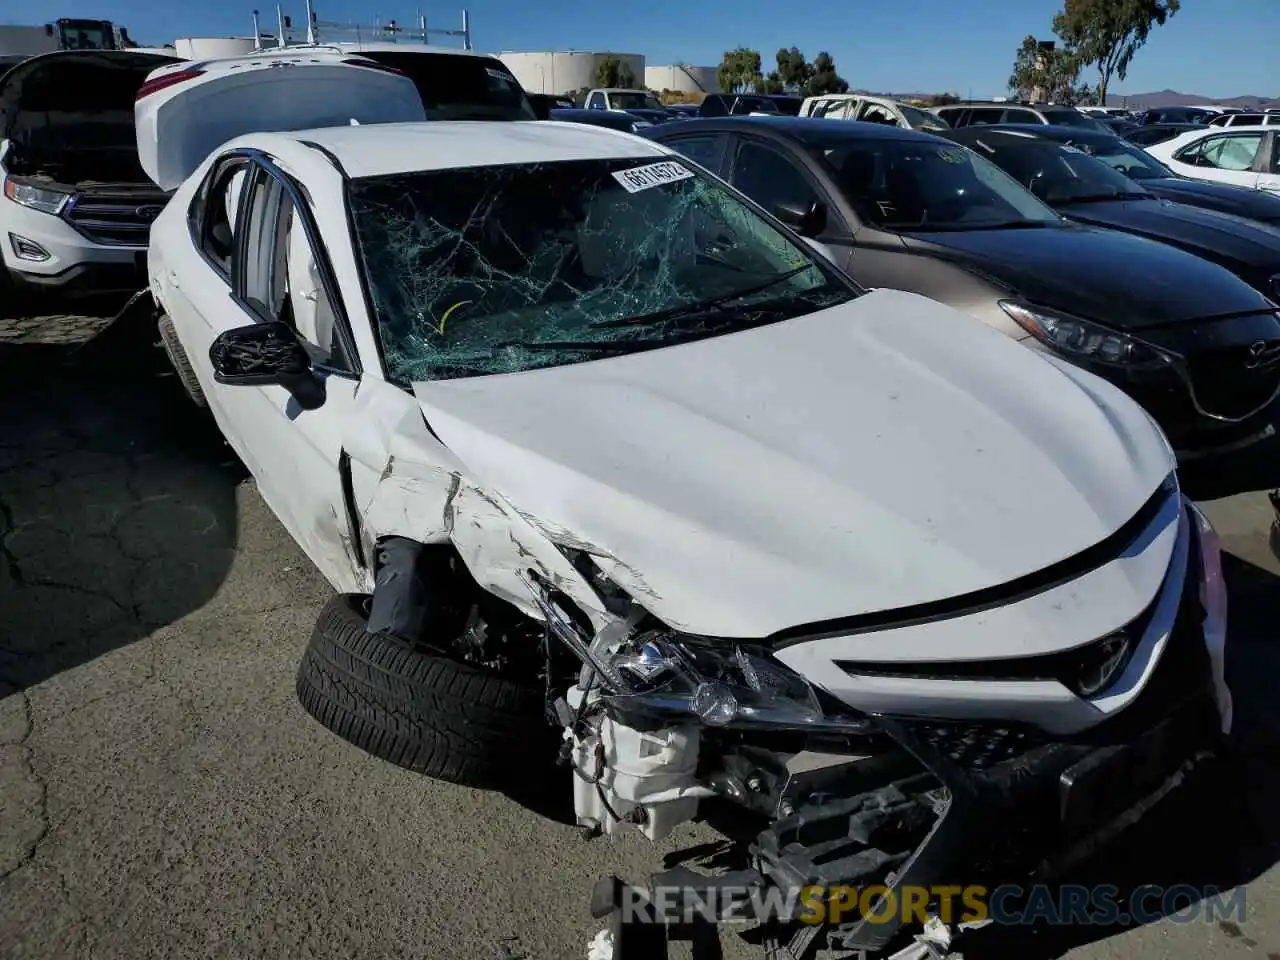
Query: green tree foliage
[
  {"x": 1108, "y": 33},
  {"x": 824, "y": 78},
  {"x": 794, "y": 71},
  {"x": 740, "y": 71},
  {"x": 1049, "y": 73},
  {"x": 771, "y": 83},
  {"x": 613, "y": 72}
]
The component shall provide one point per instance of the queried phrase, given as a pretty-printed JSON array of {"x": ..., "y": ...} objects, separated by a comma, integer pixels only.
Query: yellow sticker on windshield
[{"x": 951, "y": 156}]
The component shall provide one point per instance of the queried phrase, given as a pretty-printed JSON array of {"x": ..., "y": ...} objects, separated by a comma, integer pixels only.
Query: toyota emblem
[
  {"x": 149, "y": 212},
  {"x": 1262, "y": 352}
]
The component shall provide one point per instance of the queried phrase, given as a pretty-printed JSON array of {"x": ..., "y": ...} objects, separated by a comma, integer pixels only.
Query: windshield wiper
[
  {"x": 595, "y": 346},
  {"x": 703, "y": 308}
]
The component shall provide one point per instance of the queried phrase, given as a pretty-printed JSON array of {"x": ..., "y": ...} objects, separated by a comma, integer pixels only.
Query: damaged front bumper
[{"x": 981, "y": 803}]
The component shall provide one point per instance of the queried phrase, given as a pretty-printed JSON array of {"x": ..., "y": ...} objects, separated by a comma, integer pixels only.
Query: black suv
[{"x": 970, "y": 113}]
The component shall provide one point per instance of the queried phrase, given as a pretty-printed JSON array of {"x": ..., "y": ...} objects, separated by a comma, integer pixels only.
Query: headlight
[
  {"x": 1079, "y": 339},
  {"x": 721, "y": 683},
  {"x": 37, "y": 198}
]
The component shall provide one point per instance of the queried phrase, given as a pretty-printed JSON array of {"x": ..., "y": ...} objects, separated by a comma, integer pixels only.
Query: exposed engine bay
[
  {"x": 71, "y": 123},
  {"x": 659, "y": 722}
]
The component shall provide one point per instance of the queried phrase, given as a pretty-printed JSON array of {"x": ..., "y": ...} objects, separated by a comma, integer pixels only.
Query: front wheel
[{"x": 418, "y": 709}]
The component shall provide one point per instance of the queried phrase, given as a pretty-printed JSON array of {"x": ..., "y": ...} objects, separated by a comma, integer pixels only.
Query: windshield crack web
[{"x": 505, "y": 257}]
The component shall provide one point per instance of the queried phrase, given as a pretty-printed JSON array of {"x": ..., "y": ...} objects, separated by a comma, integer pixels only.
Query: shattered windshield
[
  {"x": 921, "y": 184},
  {"x": 500, "y": 269}
]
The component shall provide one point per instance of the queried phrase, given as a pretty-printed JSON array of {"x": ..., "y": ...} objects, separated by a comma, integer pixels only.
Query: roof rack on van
[{"x": 335, "y": 31}]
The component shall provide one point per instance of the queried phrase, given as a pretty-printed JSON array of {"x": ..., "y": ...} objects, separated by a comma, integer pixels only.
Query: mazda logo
[
  {"x": 1262, "y": 352},
  {"x": 148, "y": 212}
]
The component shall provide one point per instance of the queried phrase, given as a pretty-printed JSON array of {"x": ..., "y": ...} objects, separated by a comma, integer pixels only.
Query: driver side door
[{"x": 276, "y": 270}]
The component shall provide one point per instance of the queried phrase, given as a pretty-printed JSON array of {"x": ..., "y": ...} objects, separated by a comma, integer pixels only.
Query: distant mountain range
[
  {"x": 1172, "y": 98},
  {"x": 1161, "y": 98}
]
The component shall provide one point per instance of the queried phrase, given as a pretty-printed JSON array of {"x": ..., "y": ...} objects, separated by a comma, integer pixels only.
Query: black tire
[
  {"x": 439, "y": 717},
  {"x": 178, "y": 358}
]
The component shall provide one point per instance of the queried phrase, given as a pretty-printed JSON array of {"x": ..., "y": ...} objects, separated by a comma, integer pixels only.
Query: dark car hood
[
  {"x": 1115, "y": 278},
  {"x": 1235, "y": 242},
  {"x": 1242, "y": 201},
  {"x": 650, "y": 113}
]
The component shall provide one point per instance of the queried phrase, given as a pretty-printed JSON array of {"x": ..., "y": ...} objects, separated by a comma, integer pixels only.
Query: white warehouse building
[
  {"x": 565, "y": 71},
  {"x": 682, "y": 78}
]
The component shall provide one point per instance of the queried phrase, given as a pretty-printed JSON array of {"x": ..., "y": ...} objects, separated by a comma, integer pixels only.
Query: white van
[{"x": 77, "y": 206}]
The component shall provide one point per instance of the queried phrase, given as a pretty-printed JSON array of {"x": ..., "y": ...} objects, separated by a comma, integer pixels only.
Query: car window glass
[
  {"x": 982, "y": 115},
  {"x": 833, "y": 109},
  {"x": 703, "y": 150},
  {"x": 920, "y": 185},
  {"x": 500, "y": 269},
  {"x": 1020, "y": 116},
  {"x": 1230, "y": 152},
  {"x": 1057, "y": 173},
  {"x": 596, "y": 102},
  {"x": 282, "y": 279},
  {"x": 770, "y": 179},
  {"x": 875, "y": 113},
  {"x": 1275, "y": 154},
  {"x": 456, "y": 87},
  {"x": 213, "y": 212}
]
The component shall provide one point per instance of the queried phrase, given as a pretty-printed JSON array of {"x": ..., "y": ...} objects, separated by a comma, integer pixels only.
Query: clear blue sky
[{"x": 1219, "y": 48}]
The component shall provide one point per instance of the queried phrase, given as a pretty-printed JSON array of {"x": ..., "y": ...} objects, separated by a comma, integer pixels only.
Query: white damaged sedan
[{"x": 580, "y": 433}]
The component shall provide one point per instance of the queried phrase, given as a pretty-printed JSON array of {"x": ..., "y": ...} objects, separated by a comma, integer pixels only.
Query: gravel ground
[{"x": 162, "y": 794}]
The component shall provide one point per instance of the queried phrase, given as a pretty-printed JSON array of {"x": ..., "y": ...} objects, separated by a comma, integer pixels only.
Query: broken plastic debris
[{"x": 601, "y": 946}]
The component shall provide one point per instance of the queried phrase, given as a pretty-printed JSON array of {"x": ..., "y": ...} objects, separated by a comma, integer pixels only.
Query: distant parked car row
[{"x": 1172, "y": 303}]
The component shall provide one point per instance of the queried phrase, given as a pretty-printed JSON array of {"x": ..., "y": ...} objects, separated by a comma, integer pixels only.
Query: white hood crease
[{"x": 861, "y": 459}]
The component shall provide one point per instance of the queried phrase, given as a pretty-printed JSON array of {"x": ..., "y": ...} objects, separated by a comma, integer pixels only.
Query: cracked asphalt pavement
[{"x": 162, "y": 794}]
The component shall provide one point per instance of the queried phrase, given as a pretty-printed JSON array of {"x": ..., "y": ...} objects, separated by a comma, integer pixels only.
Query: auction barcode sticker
[{"x": 651, "y": 175}]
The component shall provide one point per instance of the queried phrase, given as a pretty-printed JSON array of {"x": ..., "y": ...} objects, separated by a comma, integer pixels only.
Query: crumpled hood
[
  {"x": 1233, "y": 241},
  {"x": 1123, "y": 281},
  {"x": 883, "y": 453},
  {"x": 1242, "y": 201}
]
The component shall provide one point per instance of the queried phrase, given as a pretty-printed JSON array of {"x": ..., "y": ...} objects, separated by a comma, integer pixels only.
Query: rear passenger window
[
  {"x": 1020, "y": 116},
  {"x": 213, "y": 213},
  {"x": 983, "y": 115},
  {"x": 955, "y": 116}
]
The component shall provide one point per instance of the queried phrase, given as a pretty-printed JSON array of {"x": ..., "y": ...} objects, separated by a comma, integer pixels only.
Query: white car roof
[{"x": 384, "y": 149}]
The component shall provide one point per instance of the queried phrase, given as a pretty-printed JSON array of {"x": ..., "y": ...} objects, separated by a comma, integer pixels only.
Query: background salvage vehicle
[
  {"x": 911, "y": 211},
  {"x": 1151, "y": 134},
  {"x": 1242, "y": 156},
  {"x": 571, "y": 423},
  {"x": 77, "y": 207},
  {"x": 1092, "y": 178},
  {"x": 973, "y": 113},
  {"x": 851, "y": 106},
  {"x": 1139, "y": 165}
]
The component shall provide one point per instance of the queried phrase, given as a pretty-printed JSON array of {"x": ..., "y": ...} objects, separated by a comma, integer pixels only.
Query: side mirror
[
  {"x": 541, "y": 108},
  {"x": 266, "y": 354},
  {"x": 808, "y": 221}
]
